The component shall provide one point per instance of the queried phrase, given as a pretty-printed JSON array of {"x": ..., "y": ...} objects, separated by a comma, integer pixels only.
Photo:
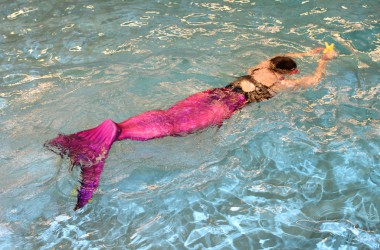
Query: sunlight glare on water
[{"x": 300, "y": 171}]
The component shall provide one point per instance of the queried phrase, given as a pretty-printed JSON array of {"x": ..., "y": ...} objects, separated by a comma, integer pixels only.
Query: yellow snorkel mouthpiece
[
  {"x": 329, "y": 48},
  {"x": 328, "y": 52}
]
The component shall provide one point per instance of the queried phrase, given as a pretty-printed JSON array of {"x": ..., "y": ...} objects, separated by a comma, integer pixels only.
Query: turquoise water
[{"x": 300, "y": 171}]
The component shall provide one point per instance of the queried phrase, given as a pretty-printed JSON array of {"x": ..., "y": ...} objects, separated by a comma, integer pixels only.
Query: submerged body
[{"x": 89, "y": 148}]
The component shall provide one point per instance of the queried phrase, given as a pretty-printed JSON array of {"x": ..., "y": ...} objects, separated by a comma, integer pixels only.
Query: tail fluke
[
  {"x": 90, "y": 180},
  {"x": 87, "y": 149}
]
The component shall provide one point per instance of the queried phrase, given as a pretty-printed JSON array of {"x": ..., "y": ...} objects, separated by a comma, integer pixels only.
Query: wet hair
[{"x": 283, "y": 64}]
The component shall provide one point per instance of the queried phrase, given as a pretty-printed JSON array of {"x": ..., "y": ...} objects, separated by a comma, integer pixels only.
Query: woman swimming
[{"x": 89, "y": 149}]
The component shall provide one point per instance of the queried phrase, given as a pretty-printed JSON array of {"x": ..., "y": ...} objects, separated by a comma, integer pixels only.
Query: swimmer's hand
[{"x": 329, "y": 53}]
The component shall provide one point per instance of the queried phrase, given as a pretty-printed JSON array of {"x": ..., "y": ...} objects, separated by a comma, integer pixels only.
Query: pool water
[{"x": 300, "y": 171}]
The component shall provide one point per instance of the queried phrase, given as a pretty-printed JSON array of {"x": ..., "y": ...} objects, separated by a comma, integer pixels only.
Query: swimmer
[{"x": 88, "y": 149}]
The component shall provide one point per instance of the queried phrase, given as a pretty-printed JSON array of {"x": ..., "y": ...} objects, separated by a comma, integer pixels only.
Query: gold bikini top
[{"x": 253, "y": 90}]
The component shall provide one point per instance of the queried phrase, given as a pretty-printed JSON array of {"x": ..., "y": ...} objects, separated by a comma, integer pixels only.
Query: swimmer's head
[{"x": 284, "y": 65}]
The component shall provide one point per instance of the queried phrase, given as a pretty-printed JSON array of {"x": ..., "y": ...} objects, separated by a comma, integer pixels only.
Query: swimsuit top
[{"x": 253, "y": 90}]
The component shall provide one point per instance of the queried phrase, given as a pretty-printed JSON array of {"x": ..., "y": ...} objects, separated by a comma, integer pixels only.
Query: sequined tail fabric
[
  {"x": 88, "y": 149},
  {"x": 199, "y": 111}
]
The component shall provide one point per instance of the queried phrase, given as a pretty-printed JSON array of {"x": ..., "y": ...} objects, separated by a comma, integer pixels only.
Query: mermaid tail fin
[
  {"x": 87, "y": 149},
  {"x": 90, "y": 180}
]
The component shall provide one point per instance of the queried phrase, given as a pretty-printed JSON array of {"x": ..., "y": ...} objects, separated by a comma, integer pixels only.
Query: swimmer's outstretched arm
[
  {"x": 308, "y": 80},
  {"x": 312, "y": 52},
  {"x": 266, "y": 64}
]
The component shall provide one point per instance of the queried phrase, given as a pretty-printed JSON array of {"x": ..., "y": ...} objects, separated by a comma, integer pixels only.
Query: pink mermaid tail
[{"x": 89, "y": 148}]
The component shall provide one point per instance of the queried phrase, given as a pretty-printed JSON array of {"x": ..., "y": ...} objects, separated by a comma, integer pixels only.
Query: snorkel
[{"x": 328, "y": 52}]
